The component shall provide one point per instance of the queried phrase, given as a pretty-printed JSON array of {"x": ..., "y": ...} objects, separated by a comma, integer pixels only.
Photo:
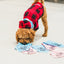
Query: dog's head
[{"x": 25, "y": 35}]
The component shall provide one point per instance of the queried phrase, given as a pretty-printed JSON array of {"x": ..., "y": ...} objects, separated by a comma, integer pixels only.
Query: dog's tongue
[{"x": 24, "y": 24}]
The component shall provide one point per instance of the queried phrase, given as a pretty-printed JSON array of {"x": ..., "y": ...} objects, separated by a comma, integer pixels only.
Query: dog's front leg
[{"x": 44, "y": 20}]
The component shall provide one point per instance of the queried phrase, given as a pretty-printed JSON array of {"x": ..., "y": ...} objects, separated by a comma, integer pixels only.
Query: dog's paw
[{"x": 44, "y": 35}]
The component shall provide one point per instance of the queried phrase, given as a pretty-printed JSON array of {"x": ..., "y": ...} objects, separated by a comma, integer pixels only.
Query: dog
[{"x": 29, "y": 25}]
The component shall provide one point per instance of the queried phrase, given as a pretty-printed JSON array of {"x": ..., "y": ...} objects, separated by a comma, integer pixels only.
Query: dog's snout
[{"x": 24, "y": 43}]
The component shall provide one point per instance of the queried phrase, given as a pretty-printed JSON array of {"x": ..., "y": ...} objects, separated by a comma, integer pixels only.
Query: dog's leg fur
[
  {"x": 44, "y": 21},
  {"x": 35, "y": 1},
  {"x": 41, "y": 1},
  {"x": 44, "y": 18}
]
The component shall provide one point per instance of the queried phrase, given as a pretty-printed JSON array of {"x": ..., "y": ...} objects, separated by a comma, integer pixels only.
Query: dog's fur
[{"x": 25, "y": 36}]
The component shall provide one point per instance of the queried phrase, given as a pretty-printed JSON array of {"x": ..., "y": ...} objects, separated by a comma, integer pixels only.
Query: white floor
[{"x": 10, "y": 13}]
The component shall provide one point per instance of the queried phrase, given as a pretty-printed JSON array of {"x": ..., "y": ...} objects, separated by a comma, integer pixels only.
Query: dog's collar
[{"x": 32, "y": 26}]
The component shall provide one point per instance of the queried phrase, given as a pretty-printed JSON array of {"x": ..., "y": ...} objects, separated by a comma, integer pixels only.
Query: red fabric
[
  {"x": 33, "y": 14},
  {"x": 24, "y": 24}
]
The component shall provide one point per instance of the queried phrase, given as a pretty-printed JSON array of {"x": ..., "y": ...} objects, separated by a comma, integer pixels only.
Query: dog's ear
[
  {"x": 17, "y": 35},
  {"x": 17, "y": 38}
]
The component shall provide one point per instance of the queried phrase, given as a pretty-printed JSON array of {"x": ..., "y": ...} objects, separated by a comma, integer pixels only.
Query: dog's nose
[{"x": 24, "y": 43}]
